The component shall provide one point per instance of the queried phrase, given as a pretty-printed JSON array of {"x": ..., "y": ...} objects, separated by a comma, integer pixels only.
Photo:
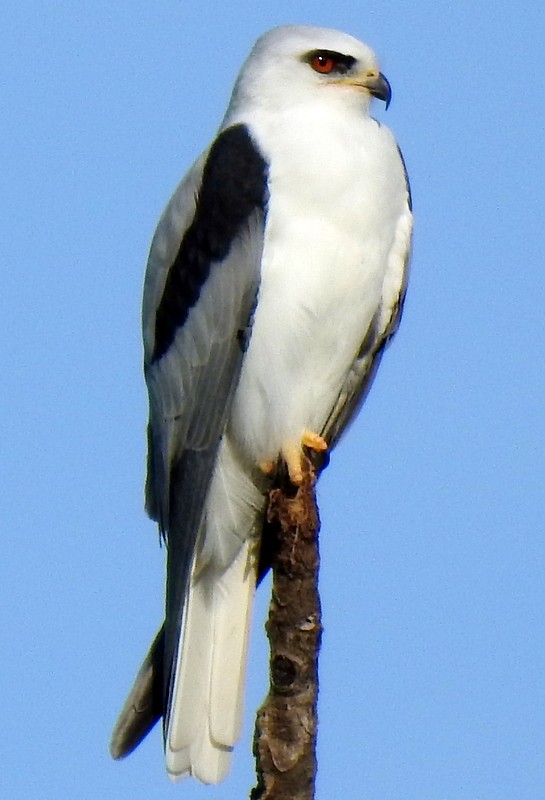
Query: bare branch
[{"x": 286, "y": 724}]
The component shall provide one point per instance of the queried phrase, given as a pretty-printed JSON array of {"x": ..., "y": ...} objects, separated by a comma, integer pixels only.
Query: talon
[
  {"x": 293, "y": 455},
  {"x": 314, "y": 441}
]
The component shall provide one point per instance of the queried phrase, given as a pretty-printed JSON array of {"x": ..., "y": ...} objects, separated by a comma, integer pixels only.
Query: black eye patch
[{"x": 328, "y": 62}]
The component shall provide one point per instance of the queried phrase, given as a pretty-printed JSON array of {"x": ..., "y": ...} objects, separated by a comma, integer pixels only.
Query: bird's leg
[{"x": 293, "y": 454}]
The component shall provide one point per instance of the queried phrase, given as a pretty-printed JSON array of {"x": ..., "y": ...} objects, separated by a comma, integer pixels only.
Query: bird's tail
[
  {"x": 193, "y": 675},
  {"x": 205, "y": 714}
]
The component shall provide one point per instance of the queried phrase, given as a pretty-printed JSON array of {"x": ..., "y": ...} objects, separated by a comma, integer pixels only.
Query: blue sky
[{"x": 433, "y": 577}]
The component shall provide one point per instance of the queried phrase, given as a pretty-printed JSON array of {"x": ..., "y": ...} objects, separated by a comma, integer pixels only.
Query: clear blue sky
[{"x": 433, "y": 578}]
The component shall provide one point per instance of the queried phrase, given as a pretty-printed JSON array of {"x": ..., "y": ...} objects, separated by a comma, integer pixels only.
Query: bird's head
[{"x": 292, "y": 65}]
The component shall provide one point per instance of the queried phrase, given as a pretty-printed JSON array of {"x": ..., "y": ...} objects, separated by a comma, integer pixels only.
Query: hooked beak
[
  {"x": 373, "y": 81},
  {"x": 377, "y": 85}
]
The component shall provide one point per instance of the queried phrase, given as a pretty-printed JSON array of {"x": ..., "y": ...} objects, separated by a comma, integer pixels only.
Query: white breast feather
[{"x": 327, "y": 244}]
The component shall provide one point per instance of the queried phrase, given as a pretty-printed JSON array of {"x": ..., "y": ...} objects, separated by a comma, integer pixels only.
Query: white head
[{"x": 291, "y": 64}]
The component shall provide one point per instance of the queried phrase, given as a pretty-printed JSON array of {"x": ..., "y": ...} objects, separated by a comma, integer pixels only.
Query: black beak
[{"x": 379, "y": 87}]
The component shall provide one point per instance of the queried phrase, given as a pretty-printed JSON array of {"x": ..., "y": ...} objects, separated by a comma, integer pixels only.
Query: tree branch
[{"x": 286, "y": 723}]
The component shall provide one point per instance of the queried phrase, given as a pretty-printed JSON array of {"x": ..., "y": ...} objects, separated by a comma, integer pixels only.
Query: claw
[
  {"x": 266, "y": 467},
  {"x": 293, "y": 454},
  {"x": 313, "y": 441}
]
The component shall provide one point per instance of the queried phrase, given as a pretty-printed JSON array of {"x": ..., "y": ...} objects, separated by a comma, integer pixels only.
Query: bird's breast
[{"x": 330, "y": 225}]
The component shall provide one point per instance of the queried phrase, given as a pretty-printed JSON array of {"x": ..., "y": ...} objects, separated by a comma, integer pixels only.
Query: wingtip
[
  {"x": 116, "y": 749},
  {"x": 143, "y": 707}
]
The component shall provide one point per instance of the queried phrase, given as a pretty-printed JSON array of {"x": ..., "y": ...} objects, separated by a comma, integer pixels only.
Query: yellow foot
[
  {"x": 293, "y": 454},
  {"x": 266, "y": 467},
  {"x": 313, "y": 441}
]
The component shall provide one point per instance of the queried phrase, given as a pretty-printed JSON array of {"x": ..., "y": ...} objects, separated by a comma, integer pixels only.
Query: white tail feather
[{"x": 207, "y": 701}]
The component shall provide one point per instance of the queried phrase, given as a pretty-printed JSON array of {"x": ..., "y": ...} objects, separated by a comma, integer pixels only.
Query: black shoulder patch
[{"x": 233, "y": 186}]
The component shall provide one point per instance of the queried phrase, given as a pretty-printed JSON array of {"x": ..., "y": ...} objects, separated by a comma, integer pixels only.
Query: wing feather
[
  {"x": 199, "y": 294},
  {"x": 384, "y": 325},
  {"x": 193, "y": 374},
  {"x": 190, "y": 398}
]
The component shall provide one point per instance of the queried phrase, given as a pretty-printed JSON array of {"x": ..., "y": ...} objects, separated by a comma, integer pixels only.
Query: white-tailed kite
[{"x": 275, "y": 279}]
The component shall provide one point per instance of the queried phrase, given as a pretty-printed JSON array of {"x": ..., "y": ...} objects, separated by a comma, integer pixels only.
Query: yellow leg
[{"x": 293, "y": 454}]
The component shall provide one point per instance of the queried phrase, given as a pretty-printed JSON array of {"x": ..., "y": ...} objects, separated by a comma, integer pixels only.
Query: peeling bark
[{"x": 286, "y": 723}]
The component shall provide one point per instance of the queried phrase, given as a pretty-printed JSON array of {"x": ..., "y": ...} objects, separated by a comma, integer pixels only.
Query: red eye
[{"x": 322, "y": 63}]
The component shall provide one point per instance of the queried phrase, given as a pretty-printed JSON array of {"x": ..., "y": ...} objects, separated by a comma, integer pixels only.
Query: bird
[{"x": 276, "y": 278}]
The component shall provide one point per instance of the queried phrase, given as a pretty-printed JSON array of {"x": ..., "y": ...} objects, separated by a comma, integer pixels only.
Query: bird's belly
[{"x": 320, "y": 289}]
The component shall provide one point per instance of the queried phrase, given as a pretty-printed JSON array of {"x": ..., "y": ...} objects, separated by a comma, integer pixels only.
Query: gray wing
[
  {"x": 383, "y": 327},
  {"x": 200, "y": 290}
]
